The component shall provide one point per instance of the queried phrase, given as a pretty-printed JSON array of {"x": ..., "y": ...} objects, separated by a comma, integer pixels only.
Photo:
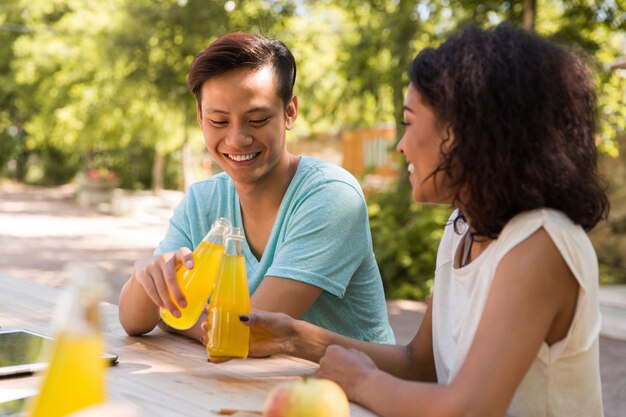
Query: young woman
[{"x": 500, "y": 124}]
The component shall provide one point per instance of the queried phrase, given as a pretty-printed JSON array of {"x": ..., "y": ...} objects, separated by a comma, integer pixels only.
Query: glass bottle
[
  {"x": 227, "y": 337},
  {"x": 197, "y": 283},
  {"x": 75, "y": 377}
]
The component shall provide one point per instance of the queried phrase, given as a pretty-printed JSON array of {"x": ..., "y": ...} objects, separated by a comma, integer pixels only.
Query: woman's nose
[{"x": 399, "y": 145}]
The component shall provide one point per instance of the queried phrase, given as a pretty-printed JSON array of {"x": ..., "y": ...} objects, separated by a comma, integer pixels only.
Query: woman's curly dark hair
[{"x": 522, "y": 114}]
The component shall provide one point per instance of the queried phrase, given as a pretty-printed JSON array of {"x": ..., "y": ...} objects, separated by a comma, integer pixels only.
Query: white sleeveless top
[{"x": 564, "y": 379}]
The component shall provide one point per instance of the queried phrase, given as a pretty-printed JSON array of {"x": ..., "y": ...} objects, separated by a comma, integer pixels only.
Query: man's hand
[{"x": 157, "y": 276}]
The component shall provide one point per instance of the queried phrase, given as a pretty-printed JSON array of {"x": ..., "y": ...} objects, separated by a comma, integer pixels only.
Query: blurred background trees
[{"x": 100, "y": 85}]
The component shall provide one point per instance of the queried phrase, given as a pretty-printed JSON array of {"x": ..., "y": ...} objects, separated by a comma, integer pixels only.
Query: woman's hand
[
  {"x": 270, "y": 333},
  {"x": 157, "y": 276},
  {"x": 347, "y": 367}
]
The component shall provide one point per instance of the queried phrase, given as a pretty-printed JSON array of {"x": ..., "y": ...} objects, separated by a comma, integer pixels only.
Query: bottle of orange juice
[
  {"x": 197, "y": 283},
  {"x": 75, "y": 376},
  {"x": 227, "y": 336}
]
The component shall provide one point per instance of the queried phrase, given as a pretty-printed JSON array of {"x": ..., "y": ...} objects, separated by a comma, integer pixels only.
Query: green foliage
[
  {"x": 172, "y": 177},
  {"x": 8, "y": 150},
  {"x": 108, "y": 74},
  {"x": 58, "y": 164},
  {"x": 595, "y": 30},
  {"x": 611, "y": 274},
  {"x": 376, "y": 46},
  {"x": 406, "y": 236},
  {"x": 11, "y": 137},
  {"x": 102, "y": 84}
]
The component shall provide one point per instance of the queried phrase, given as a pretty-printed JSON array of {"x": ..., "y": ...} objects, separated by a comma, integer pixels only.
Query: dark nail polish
[{"x": 244, "y": 317}]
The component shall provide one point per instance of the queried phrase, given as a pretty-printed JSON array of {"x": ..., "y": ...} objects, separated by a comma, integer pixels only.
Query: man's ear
[
  {"x": 199, "y": 113},
  {"x": 291, "y": 112}
]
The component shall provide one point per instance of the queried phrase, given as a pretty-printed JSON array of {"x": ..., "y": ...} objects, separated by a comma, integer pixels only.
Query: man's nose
[{"x": 239, "y": 137}]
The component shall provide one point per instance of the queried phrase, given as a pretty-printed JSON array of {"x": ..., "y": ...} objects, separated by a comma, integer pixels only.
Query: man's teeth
[
  {"x": 240, "y": 158},
  {"x": 411, "y": 168}
]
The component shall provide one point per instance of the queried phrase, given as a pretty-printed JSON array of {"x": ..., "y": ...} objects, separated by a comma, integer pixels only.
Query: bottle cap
[
  {"x": 88, "y": 278},
  {"x": 222, "y": 226},
  {"x": 85, "y": 286},
  {"x": 236, "y": 233}
]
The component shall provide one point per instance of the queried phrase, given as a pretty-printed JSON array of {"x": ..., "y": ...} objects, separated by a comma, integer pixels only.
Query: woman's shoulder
[
  {"x": 554, "y": 222},
  {"x": 570, "y": 239},
  {"x": 541, "y": 216}
]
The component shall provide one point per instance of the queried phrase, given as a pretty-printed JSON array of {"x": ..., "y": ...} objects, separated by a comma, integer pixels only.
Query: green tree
[
  {"x": 405, "y": 234},
  {"x": 12, "y": 112},
  {"x": 110, "y": 75}
]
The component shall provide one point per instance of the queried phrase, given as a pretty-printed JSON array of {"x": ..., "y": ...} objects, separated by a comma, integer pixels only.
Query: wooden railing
[{"x": 370, "y": 152}]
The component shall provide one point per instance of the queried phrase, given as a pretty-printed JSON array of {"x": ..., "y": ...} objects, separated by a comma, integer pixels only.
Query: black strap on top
[{"x": 468, "y": 240}]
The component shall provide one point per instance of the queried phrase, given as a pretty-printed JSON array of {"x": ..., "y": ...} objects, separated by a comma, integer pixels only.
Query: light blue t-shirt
[{"x": 321, "y": 236}]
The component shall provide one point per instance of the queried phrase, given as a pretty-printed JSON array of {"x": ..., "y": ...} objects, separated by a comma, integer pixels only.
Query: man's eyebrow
[
  {"x": 208, "y": 110},
  {"x": 259, "y": 109},
  {"x": 211, "y": 110},
  {"x": 407, "y": 108}
]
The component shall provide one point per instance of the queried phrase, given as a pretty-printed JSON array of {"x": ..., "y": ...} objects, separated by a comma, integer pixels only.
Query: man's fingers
[
  {"x": 162, "y": 289},
  {"x": 168, "y": 273},
  {"x": 151, "y": 291},
  {"x": 182, "y": 260},
  {"x": 184, "y": 256}
]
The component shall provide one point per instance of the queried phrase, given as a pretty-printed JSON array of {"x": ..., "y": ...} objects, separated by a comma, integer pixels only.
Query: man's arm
[
  {"x": 149, "y": 287},
  {"x": 285, "y": 295},
  {"x": 137, "y": 312}
]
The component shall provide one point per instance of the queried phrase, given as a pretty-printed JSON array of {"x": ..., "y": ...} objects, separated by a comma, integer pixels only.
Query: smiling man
[{"x": 308, "y": 248}]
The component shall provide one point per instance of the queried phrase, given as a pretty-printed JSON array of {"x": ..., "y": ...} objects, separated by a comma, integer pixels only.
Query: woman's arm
[
  {"x": 273, "y": 333},
  {"x": 532, "y": 300}
]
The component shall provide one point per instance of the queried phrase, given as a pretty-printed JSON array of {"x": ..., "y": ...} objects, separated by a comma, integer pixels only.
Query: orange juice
[
  {"x": 227, "y": 336},
  {"x": 75, "y": 378},
  {"x": 196, "y": 284}
]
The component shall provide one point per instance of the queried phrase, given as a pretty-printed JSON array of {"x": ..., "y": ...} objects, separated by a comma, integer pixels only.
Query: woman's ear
[{"x": 447, "y": 135}]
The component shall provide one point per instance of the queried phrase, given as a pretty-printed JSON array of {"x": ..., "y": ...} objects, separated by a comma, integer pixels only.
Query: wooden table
[{"x": 163, "y": 374}]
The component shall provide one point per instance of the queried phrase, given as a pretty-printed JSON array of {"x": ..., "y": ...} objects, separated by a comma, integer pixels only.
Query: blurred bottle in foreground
[
  {"x": 197, "y": 283},
  {"x": 227, "y": 337},
  {"x": 75, "y": 376}
]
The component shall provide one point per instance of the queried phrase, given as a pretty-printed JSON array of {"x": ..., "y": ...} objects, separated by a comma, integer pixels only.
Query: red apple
[{"x": 310, "y": 397}]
